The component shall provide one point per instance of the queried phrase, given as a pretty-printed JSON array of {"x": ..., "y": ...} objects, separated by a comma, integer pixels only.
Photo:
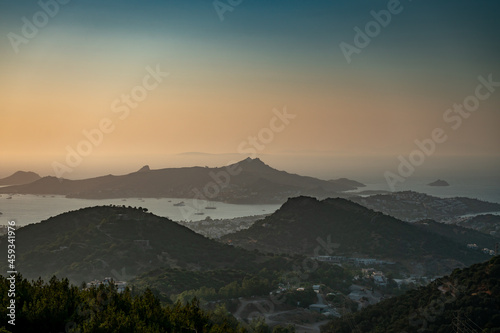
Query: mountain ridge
[
  {"x": 19, "y": 178},
  {"x": 115, "y": 241},
  {"x": 356, "y": 231},
  {"x": 247, "y": 181}
]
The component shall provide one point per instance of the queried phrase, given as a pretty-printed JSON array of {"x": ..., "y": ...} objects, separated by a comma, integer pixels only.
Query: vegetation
[
  {"x": 467, "y": 298},
  {"x": 301, "y": 298},
  {"x": 487, "y": 223},
  {"x": 246, "y": 288},
  {"x": 307, "y": 226},
  {"x": 172, "y": 285},
  {"x": 147, "y": 251},
  {"x": 120, "y": 242},
  {"x": 57, "y": 306},
  {"x": 459, "y": 234}
]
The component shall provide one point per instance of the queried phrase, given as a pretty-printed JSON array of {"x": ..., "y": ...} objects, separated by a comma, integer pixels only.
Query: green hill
[
  {"x": 224, "y": 284},
  {"x": 458, "y": 233},
  {"x": 353, "y": 230},
  {"x": 466, "y": 301},
  {"x": 118, "y": 242},
  {"x": 147, "y": 251}
]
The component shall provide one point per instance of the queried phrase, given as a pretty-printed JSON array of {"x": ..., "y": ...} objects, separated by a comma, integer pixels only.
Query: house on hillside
[
  {"x": 120, "y": 285},
  {"x": 318, "y": 308},
  {"x": 379, "y": 278}
]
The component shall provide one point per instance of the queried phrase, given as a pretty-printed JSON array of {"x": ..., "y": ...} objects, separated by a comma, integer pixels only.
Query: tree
[
  {"x": 258, "y": 325},
  {"x": 57, "y": 305},
  {"x": 288, "y": 329}
]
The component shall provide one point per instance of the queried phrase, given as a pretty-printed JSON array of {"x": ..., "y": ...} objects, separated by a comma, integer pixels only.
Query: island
[{"x": 439, "y": 182}]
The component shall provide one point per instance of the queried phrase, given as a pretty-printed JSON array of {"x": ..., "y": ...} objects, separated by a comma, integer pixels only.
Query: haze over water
[
  {"x": 26, "y": 209},
  {"x": 215, "y": 79},
  {"x": 394, "y": 94},
  {"x": 106, "y": 88}
]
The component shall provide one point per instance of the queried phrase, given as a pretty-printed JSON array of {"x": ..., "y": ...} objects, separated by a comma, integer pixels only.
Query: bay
[{"x": 26, "y": 209}]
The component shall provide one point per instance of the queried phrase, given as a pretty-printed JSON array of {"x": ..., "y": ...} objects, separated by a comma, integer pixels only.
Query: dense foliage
[
  {"x": 223, "y": 284},
  {"x": 467, "y": 298},
  {"x": 57, "y": 306},
  {"x": 150, "y": 252},
  {"x": 121, "y": 242},
  {"x": 459, "y": 234}
]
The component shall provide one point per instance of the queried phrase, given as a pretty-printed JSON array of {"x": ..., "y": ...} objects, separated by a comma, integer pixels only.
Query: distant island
[
  {"x": 439, "y": 182},
  {"x": 249, "y": 181}
]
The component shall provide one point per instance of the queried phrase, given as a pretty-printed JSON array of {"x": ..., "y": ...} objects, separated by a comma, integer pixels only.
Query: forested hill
[
  {"x": 356, "y": 231},
  {"x": 56, "y": 306},
  {"x": 467, "y": 300},
  {"x": 120, "y": 242}
]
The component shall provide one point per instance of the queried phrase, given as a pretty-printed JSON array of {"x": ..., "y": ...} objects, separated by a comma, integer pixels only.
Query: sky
[{"x": 92, "y": 87}]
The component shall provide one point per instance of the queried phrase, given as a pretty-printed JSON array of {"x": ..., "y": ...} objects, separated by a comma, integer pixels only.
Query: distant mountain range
[
  {"x": 468, "y": 300},
  {"x": 248, "y": 181},
  {"x": 20, "y": 178},
  {"x": 303, "y": 224}
]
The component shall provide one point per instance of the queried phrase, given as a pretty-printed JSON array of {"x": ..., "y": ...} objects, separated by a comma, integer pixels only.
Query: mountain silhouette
[
  {"x": 19, "y": 178},
  {"x": 303, "y": 224},
  {"x": 248, "y": 181}
]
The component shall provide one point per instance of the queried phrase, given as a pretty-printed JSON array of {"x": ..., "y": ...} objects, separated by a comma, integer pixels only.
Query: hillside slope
[
  {"x": 19, "y": 178},
  {"x": 118, "y": 242},
  {"x": 303, "y": 223},
  {"x": 466, "y": 301},
  {"x": 487, "y": 223}
]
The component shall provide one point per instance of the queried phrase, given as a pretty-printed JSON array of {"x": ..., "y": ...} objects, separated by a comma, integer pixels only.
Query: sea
[
  {"x": 27, "y": 209},
  {"x": 480, "y": 189}
]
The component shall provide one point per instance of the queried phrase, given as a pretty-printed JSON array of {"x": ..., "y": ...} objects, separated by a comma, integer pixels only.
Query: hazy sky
[{"x": 227, "y": 76}]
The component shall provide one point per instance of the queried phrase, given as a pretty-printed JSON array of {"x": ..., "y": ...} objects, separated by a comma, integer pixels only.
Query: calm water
[
  {"x": 26, "y": 209},
  {"x": 487, "y": 190}
]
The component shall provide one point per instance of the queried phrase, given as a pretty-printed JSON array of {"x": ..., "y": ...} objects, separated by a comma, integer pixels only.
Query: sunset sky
[{"x": 227, "y": 76}]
